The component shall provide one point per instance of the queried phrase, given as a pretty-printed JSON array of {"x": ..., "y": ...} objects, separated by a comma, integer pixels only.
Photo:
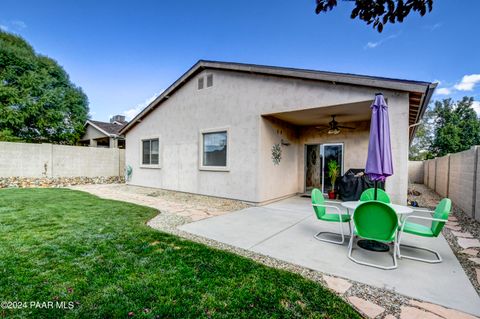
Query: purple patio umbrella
[{"x": 379, "y": 160}]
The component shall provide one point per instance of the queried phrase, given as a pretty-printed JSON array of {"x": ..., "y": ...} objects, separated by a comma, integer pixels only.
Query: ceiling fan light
[{"x": 333, "y": 131}]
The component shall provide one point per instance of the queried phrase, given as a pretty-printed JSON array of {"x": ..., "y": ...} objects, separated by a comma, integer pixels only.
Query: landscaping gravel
[{"x": 429, "y": 199}]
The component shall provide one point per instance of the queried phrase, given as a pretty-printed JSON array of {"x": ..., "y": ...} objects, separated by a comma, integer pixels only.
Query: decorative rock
[
  {"x": 415, "y": 313},
  {"x": 469, "y": 251},
  {"x": 368, "y": 308},
  {"x": 337, "y": 284},
  {"x": 452, "y": 227},
  {"x": 468, "y": 243},
  {"x": 478, "y": 275},
  {"x": 441, "y": 311},
  {"x": 26, "y": 182},
  {"x": 475, "y": 260},
  {"x": 460, "y": 234}
]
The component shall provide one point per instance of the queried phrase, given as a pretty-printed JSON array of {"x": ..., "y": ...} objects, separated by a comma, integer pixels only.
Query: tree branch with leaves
[{"x": 379, "y": 12}]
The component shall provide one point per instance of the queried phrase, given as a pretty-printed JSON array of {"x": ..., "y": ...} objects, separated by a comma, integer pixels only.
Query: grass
[{"x": 64, "y": 245}]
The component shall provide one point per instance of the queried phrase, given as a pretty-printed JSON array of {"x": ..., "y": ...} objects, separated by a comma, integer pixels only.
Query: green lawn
[{"x": 63, "y": 245}]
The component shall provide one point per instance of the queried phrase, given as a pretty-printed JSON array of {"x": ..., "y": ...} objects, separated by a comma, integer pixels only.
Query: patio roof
[{"x": 419, "y": 92}]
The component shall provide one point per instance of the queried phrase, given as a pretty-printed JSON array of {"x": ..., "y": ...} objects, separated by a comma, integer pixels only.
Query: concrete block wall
[
  {"x": 425, "y": 172},
  {"x": 415, "y": 172},
  {"x": 431, "y": 174},
  {"x": 463, "y": 175},
  {"x": 457, "y": 176},
  {"x": 48, "y": 160},
  {"x": 442, "y": 168},
  {"x": 477, "y": 189}
]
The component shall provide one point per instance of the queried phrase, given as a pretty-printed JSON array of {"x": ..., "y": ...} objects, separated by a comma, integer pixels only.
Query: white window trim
[
  {"x": 200, "y": 148},
  {"x": 160, "y": 152}
]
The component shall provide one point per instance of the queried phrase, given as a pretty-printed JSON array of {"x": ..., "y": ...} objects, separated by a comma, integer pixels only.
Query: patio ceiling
[{"x": 344, "y": 113}]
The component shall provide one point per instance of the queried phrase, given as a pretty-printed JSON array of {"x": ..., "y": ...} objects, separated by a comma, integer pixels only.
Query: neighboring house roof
[
  {"x": 419, "y": 92},
  {"x": 109, "y": 129}
]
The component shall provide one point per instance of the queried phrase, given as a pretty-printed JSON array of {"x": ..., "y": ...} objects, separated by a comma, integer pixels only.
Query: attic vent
[
  {"x": 200, "y": 83},
  {"x": 209, "y": 80}
]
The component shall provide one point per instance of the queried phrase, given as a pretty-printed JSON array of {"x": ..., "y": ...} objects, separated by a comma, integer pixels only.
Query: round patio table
[
  {"x": 372, "y": 244},
  {"x": 399, "y": 209}
]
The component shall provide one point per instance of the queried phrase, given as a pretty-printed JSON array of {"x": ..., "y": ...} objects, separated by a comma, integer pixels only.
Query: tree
[
  {"x": 457, "y": 127},
  {"x": 38, "y": 102},
  {"x": 420, "y": 147},
  {"x": 380, "y": 12}
]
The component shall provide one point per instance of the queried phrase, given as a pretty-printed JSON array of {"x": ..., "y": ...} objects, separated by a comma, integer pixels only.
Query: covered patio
[{"x": 284, "y": 230}]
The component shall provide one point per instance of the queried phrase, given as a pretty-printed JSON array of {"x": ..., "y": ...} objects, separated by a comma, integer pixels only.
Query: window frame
[
  {"x": 202, "y": 167},
  {"x": 208, "y": 75},
  {"x": 150, "y": 138},
  {"x": 201, "y": 79}
]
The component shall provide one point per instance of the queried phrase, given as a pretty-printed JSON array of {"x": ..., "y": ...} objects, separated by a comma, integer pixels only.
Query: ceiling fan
[{"x": 333, "y": 127}]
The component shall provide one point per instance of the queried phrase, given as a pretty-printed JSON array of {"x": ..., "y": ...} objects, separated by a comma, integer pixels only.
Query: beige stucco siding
[
  {"x": 238, "y": 101},
  {"x": 92, "y": 133}
]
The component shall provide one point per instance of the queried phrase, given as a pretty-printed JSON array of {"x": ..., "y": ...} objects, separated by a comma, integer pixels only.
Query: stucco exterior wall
[
  {"x": 92, "y": 133},
  {"x": 47, "y": 160},
  {"x": 415, "y": 172},
  {"x": 238, "y": 101}
]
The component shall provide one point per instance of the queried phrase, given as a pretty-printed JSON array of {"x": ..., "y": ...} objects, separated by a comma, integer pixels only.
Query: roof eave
[
  {"x": 349, "y": 79},
  {"x": 423, "y": 107}
]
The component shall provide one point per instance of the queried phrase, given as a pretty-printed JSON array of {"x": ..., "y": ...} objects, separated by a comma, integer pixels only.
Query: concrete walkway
[{"x": 285, "y": 229}]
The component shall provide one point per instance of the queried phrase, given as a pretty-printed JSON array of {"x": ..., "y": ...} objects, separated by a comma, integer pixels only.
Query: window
[
  {"x": 200, "y": 83},
  {"x": 214, "y": 149},
  {"x": 150, "y": 152},
  {"x": 209, "y": 80}
]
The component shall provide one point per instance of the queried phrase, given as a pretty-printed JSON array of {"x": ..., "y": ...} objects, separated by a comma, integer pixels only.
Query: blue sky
[{"x": 123, "y": 53}]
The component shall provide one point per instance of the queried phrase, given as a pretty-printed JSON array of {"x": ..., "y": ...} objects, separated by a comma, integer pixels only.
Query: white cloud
[
  {"x": 131, "y": 113},
  {"x": 476, "y": 106},
  {"x": 433, "y": 27},
  {"x": 19, "y": 24},
  {"x": 443, "y": 91},
  {"x": 373, "y": 45},
  {"x": 468, "y": 82},
  {"x": 13, "y": 25}
]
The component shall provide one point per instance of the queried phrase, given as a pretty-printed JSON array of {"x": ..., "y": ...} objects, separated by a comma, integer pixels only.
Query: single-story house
[
  {"x": 261, "y": 133},
  {"x": 104, "y": 134}
]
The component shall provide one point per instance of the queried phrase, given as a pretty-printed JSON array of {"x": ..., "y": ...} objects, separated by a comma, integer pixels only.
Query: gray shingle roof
[{"x": 110, "y": 128}]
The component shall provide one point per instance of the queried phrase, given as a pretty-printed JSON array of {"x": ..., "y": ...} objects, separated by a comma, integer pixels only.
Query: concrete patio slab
[{"x": 285, "y": 229}]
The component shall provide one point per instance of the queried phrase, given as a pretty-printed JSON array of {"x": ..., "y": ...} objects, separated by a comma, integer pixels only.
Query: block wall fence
[
  {"x": 50, "y": 161},
  {"x": 456, "y": 176}
]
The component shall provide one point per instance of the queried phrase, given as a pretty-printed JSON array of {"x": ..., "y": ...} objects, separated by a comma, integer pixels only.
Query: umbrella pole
[{"x": 375, "y": 192}]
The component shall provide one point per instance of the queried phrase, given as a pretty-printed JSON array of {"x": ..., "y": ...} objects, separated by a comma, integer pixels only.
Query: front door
[{"x": 317, "y": 157}]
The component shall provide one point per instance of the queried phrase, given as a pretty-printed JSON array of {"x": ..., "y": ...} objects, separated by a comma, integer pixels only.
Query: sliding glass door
[{"x": 317, "y": 157}]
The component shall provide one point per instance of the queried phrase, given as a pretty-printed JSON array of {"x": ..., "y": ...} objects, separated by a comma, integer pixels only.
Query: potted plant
[{"x": 333, "y": 172}]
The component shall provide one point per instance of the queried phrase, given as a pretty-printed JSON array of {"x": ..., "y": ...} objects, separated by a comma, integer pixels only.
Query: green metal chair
[
  {"x": 440, "y": 217},
  {"x": 374, "y": 220},
  {"x": 320, "y": 208},
  {"x": 369, "y": 194}
]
